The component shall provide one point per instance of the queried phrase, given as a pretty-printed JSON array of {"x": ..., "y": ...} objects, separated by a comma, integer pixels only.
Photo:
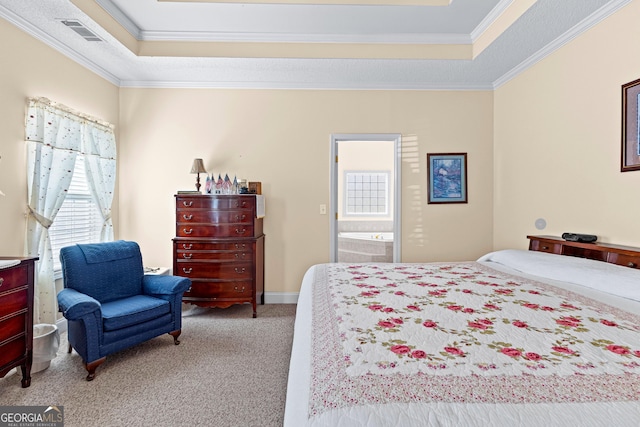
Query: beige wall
[
  {"x": 282, "y": 138},
  {"x": 30, "y": 68},
  {"x": 557, "y": 140}
]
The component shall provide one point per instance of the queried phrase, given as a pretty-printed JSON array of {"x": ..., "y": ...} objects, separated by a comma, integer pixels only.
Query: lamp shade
[{"x": 198, "y": 166}]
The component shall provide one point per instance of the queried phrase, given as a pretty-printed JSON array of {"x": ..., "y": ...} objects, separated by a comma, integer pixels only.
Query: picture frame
[
  {"x": 630, "y": 150},
  {"x": 447, "y": 178}
]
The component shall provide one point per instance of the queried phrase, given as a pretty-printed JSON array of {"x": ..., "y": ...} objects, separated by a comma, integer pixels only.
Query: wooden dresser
[
  {"x": 219, "y": 245},
  {"x": 16, "y": 317},
  {"x": 615, "y": 254}
]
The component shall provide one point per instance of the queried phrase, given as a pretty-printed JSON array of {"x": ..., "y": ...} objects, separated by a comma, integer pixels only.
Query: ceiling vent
[{"x": 79, "y": 28}]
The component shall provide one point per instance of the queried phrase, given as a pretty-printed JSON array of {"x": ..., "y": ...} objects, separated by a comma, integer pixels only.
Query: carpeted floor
[{"x": 229, "y": 370}]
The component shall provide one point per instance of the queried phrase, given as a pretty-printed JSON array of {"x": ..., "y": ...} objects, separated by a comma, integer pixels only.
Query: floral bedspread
[{"x": 463, "y": 332}]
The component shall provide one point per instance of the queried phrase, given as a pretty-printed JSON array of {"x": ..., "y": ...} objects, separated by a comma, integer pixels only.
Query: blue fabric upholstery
[
  {"x": 110, "y": 304},
  {"x": 132, "y": 311},
  {"x": 112, "y": 279}
]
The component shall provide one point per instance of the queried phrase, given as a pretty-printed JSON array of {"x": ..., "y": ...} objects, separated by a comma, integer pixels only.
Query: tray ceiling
[{"x": 308, "y": 44}]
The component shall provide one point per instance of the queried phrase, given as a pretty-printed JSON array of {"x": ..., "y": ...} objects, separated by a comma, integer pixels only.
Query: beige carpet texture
[{"x": 229, "y": 370}]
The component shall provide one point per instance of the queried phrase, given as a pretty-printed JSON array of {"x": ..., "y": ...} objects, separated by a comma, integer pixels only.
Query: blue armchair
[{"x": 110, "y": 304}]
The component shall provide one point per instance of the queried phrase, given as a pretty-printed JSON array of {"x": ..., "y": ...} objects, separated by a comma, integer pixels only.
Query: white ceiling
[{"x": 269, "y": 28}]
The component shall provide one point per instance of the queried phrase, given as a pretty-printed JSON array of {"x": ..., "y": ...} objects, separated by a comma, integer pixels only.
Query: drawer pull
[
  {"x": 629, "y": 264},
  {"x": 189, "y": 246},
  {"x": 189, "y": 231},
  {"x": 188, "y": 205},
  {"x": 243, "y": 246},
  {"x": 187, "y": 270},
  {"x": 240, "y": 217},
  {"x": 241, "y": 256},
  {"x": 189, "y": 290},
  {"x": 187, "y": 217},
  {"x": 238, "y": 231},
  {"x": 546, "y": 248},
  {"x": 1, "y": 280},
  {"x": 235, "y": 288},
  {"x": 240, "y": 270},
  {"x": 187, "y": 256}
]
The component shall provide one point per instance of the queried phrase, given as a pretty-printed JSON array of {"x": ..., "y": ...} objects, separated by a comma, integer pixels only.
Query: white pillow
[{"x": 603, "y": 276}]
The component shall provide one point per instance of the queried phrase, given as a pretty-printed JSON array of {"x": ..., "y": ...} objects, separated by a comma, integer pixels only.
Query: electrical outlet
[{"x": 323, "y": 209}]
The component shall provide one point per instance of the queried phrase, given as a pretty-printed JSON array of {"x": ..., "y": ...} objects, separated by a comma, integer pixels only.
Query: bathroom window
[{"x": 366, "y": 193}]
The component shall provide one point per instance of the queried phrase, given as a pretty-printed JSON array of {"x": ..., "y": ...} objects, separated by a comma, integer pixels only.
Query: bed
[{"x": 515, "y": 338}]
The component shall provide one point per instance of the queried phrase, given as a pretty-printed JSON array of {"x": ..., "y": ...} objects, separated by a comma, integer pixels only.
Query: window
[
  {"x": 366, "y": 193},
  {"x": 79, "y": 219}
]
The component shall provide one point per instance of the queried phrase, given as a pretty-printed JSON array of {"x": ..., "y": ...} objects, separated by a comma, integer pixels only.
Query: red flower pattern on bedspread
[{"x": 463, "y": 332}]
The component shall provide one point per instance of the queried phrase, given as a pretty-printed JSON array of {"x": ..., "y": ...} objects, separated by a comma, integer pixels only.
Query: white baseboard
[
  {"x": 62, "y": 325},
  {"x": 281, "y": 297}
]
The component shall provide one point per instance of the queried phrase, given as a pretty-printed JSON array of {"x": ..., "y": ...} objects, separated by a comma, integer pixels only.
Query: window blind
[{"x": 79, "y": 220}]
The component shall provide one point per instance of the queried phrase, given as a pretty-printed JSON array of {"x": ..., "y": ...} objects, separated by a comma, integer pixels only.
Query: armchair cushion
[{"x": 132, "y": 311}]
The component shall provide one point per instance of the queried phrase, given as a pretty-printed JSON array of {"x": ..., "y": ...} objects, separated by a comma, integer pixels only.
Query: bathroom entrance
[{"x": 365, "y": 198}]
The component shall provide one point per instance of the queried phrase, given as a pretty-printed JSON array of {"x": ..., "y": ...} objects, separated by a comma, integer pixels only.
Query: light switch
[{"x": 323, "y": 209}]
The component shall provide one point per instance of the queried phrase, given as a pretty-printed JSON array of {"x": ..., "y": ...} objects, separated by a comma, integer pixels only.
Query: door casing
[{"x": 397, "y": 173}]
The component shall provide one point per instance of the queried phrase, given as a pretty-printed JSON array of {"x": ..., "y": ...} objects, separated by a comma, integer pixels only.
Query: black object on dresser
[
  {"x": 16, "y": 317},
  {"x": 219, "y": 245}
]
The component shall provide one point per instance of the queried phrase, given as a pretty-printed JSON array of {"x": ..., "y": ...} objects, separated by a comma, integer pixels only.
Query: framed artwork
[
  {"x": 447, "y": 178},
  {"x": 630, "y": 159}
]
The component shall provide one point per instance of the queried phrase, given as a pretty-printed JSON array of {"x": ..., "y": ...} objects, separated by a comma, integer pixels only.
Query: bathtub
[{"x": 365, "y": 246}]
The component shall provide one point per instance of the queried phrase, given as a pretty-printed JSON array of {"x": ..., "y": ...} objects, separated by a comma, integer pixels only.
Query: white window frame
[{"x": 79, "y": 219}]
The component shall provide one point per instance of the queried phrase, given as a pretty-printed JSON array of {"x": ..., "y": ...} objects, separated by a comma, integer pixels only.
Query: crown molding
[
  {"x": 565, "y": 38},
  {"x": 207, "y": 36},
  {"x": 291, "y": 85},
  {"x": 490, "y": 19},
  {"x": 121, "y": 18},
  {"x": 35, "y": 32}
]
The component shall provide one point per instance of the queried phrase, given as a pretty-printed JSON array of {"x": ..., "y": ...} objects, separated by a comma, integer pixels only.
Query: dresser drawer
[
  {"x": 221, "y": 255},
  {"x": 13, "y": 278},
  {"x": 215, "y": 270},
  {"x": 13, "y": 350},
  {"x": 182, "y": 246},
  {"x": 545, "y": 246},
  {"x": 213, "y": 230},
  {"x": 199, "y": 216},
  {"x": 625, "y": 260},
  {"x": 239, "y": 289},
  {"x": 215, "y": 202},
  {"x": 13, "y": 326},
  {"x": 12, "y": 302}
]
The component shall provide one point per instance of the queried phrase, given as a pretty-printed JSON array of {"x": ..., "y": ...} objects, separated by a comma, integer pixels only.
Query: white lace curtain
[{"x": 55, "y": 135}]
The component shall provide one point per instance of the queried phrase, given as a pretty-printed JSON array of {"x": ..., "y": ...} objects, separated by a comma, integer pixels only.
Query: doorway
[{"x": 365, "y": 198}]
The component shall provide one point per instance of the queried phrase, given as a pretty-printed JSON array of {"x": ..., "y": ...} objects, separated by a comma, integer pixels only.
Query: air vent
[{"x": 79, "y": 28}]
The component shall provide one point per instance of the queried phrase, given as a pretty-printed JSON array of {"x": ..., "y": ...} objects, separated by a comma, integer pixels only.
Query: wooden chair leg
[
  {"x": 175, "y": 335},
  {"x": 91, "y": 367},
  {"x": 69, "y": 349}
]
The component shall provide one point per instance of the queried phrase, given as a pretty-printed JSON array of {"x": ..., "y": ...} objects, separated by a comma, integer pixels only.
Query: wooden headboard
[{"x": 627, "y": 256}]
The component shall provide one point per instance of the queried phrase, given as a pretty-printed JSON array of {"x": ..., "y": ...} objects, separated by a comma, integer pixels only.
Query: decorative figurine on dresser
[
  {"x": 16, "y": 316},
  {"x": 219, "y": 245}
]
